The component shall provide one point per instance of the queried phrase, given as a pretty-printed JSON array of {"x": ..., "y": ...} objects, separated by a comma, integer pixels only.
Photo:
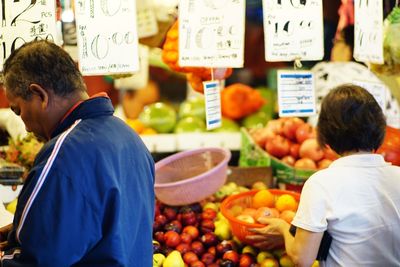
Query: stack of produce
[{"x": 293, "y": 141}]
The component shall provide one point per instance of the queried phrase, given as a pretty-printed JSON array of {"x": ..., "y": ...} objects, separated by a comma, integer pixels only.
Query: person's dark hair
[
  {"x": 350, "y": 120},
  {"x": 43, "y": 63}
]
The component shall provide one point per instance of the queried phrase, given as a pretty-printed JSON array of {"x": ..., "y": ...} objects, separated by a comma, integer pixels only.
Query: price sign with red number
[
  {"x": 107, "y": 36},
  {"x": 293, "y": 29},
  {"x": 23, "y": 21}
]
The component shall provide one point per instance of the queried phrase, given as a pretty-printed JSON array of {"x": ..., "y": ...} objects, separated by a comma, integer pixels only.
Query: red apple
[
  {"x": 190, "y": 257},
  {"x": 207, "y": 258},
  {"x": 324, "y": 163},
  {"x": 192, "y": 231},
  {"x": 170, "y": 213},
  {"x": 209, "y": 239},
  {"x": 198, "y": 248},
  {"x": 232, "y": 256},
  {"x": 223, "y": 247},
  {"x": 207, "y": 226},
  {"x": 183, "y": 248},
  {"x": 159, "y": 236},
  {"x": 261, "y": 136},
  {"x": 276, "y": 126},
  {"x": 305, "y": 163},
  {"x": 294, "y": 150},
  {"x": 186, "y": 238},
  {"x": 212, "y": 250},
  {"x": 304, "y": 132},
  {"x": 174, "y": 225},
  {"x": 208, "y": 214},
  {"x": 278, "y": 146},
  {"x": 172, "y": 239},
  {"x": 246, "y": 260},
  {"x": 311, "y": 149},
  {"x": 189, "y": 218},
  {"x": 290, "y": 126},
  {"x": 289, "y": 160},
  {"x": 197, "y": 264}
]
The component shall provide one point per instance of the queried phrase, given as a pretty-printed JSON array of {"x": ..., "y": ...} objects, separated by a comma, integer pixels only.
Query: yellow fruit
[
  {"x": 148, "y": 131},
  {"x": 286, "y": 202},
  {"x": 12, "y": 206},
  {"x": 136, "y": 125},
  {"x": 263, "y": 198}
]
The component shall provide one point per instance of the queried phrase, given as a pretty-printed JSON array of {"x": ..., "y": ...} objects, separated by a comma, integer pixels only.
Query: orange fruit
[
  {"x": 136, "y": 125},
  {"x": 263, "y": 198},
  {"x": 287, "y": 215},
  {"x": 286, "y": 202},
  {"x": 266, "y": 212}
]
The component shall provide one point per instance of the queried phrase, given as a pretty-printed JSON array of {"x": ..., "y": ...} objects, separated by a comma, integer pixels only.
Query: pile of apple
[{"x": 294, "y": 142}]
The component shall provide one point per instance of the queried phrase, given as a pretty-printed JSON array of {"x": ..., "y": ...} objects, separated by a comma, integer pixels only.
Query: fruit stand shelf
[{"x": 162, "y": 143}]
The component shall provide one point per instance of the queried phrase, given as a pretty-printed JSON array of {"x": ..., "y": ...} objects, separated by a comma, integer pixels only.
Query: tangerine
[
  {"x": 263, "y": 198},
  {"x": 286, "y": 202}
]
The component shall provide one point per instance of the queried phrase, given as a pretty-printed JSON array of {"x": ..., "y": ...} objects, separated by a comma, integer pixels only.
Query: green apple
[
  {"x": 193, "y": 107},
  {"x": 262, "y": 255},
  {"x": 227, "y": 125},
  {"x": 159, "y": 116},
  {"x": 190, "y": 125}
]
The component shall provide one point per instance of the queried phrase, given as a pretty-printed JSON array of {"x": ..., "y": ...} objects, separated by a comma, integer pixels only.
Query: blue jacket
[{"x": 89, "y": 199}]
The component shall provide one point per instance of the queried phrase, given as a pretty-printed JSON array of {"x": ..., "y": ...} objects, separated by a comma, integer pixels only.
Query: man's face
[{"x": 30, "y": 112}]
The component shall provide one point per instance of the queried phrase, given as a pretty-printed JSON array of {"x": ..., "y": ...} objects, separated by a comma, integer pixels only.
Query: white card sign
[
  {"x": 212, "y": 95},
  {"x": 107, "y": 36},
  {"x": 146, "y": 19},
  {"x": 378, "y": 90},
  {"x": 368, "y": 31},
  {"x": 293, "y": 29},
  {"x": 296, "y": 93},
  {"x": 211, "y": 33},
  {"x": 24, "y": 21}
]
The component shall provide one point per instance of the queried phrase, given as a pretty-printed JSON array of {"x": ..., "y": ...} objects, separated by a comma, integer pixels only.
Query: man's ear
[{"x": 40, "y": 92}]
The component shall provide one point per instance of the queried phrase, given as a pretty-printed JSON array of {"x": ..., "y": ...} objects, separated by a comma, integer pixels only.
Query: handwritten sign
[
  {"x": 296, "y": 93},
  {"x": 212, "y": 94},
  {"x": 24, "y": 21},
  {"x": 293, "y": 29},
  {"x": 368, "y": 31},
  {"x": 146, "y": 19},
  {"x": 211, "y": 33},
  {"x": 107, "y": 36},
  {"x": 378, "y": 90}
]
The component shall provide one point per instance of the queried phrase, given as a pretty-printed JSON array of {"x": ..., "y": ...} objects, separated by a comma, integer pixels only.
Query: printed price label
[
  {"x": 296, "y": 93},
  {"x": 107, "y": 36},
  {"x": 24, "y": 21},
  {"x": 293, "y": 29},
  {"x": 212, "y": 94},
  {"x": 368, "y": 31},
  {"x": 146, "y": 19},
  {"x": 211, "y": 33}
]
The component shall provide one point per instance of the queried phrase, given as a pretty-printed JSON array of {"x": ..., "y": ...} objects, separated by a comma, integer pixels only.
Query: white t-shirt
[{"x": 357, "y": 199}]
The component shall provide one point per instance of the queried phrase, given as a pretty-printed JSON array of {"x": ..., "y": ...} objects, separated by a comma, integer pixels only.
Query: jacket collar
[
  {"x": 90, "y": 108},
  {"x": 360, "y": 160}
]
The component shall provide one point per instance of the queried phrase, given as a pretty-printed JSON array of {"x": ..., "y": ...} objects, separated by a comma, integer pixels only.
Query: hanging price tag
[
  {"x": 24, "y": 21},
  {"x": 212, "y": 94},
  {"x": 293, "y": 29},
  {"x": 296, "y": 93},
  {"x": 378, "y": 90},
  {"x": 146, "y": 19},
  {"x": 211, "y": 33},
  {"x": 107, "y": 36},
  {"x": 368, "y": 31}
]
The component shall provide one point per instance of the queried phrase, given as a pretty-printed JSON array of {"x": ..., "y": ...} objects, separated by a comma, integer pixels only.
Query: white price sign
[
  {"x": 293, "y": 29},
  {"x": 212, "y": 95},
  {"x": 24, "y": 21},
  {"x": 107, "y": 36},
  {"x": 211, "y": 33},
  {"x": 296, "y": 93},
  {"x": 368, "y": 31},
  {"x": 146, "y": 19},
  {"x": 378, "y": 90}
]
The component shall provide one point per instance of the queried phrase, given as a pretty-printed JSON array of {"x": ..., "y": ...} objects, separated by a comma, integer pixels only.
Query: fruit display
[
  {"x": 200, "y": 235},
  {"x": 294, "y": 143}
]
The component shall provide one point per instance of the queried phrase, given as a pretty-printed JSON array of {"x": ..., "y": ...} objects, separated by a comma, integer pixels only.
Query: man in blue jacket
[{"x": 89, "y": 199}]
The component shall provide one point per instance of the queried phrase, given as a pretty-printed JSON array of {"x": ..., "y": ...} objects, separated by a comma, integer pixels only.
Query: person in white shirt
[{"x": 356, "y": 200}]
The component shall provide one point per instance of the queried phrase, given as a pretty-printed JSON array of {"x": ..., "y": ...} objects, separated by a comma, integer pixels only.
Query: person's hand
[
  {"x": 4, "y": 232},
  {"x": 270, "y": 236}
]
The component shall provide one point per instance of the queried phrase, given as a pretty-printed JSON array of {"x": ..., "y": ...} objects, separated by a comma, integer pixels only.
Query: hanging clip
[{"x": 297, "y": 63}]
